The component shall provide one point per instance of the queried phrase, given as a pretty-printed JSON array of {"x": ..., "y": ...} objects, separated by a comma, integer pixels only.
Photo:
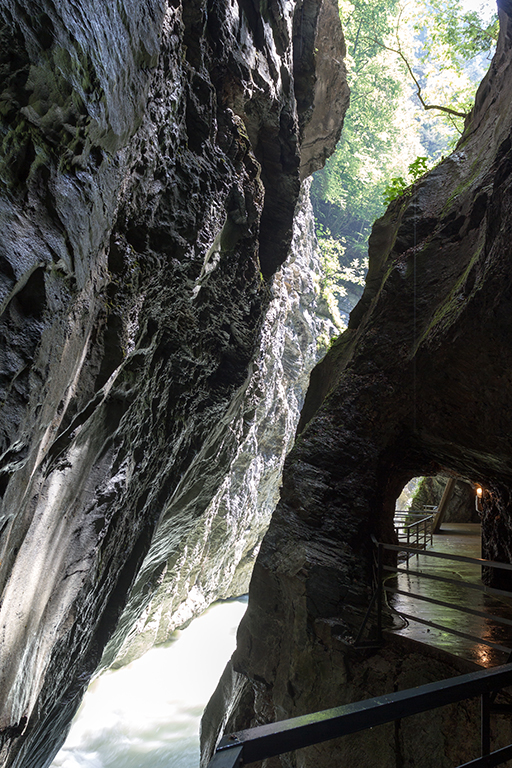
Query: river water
[{"x": 147, "y": 714}]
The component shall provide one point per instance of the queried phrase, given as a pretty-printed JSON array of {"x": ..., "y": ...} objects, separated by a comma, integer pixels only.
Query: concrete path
[{"x": 460, "y": 539}]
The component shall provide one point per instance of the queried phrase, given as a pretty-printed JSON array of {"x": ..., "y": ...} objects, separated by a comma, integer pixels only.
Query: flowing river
[{"x": 147, "y": 713}]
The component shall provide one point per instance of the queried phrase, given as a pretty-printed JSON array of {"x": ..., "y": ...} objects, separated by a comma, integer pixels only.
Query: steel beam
[{"x": 287, "y": 735}]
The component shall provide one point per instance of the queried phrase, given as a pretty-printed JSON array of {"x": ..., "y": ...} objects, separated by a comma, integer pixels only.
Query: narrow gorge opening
[
  {"x": 152, "y": 163},
  {"x": 341, "y": 256},
  {"x": 343, "y": 235}
]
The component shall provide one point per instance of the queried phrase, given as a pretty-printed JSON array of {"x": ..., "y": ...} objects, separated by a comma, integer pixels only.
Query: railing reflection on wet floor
[{"x": 472, "y": 599}]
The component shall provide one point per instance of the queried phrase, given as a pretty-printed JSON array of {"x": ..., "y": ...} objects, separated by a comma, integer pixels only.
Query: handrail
[
  {"x": 444, "y": 604},
  {"x": 420, "y": 529},
  {"x": 415, "y": 524},
  {"x": 445, "y": 556},
  {"x": 458, "y": 633},
  {"x": 382, "y": 587},
  {"x": 377, "y": 600},
  {"x": 267, "y": 741},
  {"x": 408, "y": 515},
  {"x": 446, "y": 580}
]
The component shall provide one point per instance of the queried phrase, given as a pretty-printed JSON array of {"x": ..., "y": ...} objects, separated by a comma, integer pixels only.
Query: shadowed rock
[
  {"x": 419, "y": 384},
  {"x": 150, "y": 175}
]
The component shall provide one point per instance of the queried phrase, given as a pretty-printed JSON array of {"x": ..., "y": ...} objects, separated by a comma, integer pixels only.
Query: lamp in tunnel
[{"x": 478, "y": 498}]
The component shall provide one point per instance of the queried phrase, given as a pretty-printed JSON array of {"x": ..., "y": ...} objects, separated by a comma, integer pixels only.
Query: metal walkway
[
  {"x": 434, "y": 588},
  {"x": 455, "y": 539}
]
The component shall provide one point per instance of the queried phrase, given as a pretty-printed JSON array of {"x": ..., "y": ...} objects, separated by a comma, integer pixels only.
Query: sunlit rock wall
[
  {"x": 151, "y": 167},
  {"x": 217, "y": 557},
  {"x": 419, "y": 384}
]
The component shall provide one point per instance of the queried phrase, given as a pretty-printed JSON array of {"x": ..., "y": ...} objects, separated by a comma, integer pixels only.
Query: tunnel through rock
[{"x": 418, "y": 384}]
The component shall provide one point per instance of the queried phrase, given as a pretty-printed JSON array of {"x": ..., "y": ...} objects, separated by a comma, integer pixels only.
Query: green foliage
[
  {"x": 331, "y": 287},
  {"x": 388, "y": 139},
  {"x": 336, "y": 272},
  {"x": 418, "y": 167},
  {"x": 461, "y": 36},
  {"x": 397, "y": 185},
  {"x": 355, "y": 272},
  {"x": 449, "y": 54},
  {"x": 347, "y": 194},
  {"x": 331, "y": 256}
]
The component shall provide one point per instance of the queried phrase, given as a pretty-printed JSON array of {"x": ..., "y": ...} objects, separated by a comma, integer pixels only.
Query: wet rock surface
[
  {"x": 150, "y": 176},
  {"x": 216, "y": 557},
  {"x": 419, "y": 384},
  {"x": 461, "y": 507}
]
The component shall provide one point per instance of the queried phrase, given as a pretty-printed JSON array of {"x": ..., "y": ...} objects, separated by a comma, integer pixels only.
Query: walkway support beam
[
  {"x": 443, "y": 504},
  {"x": 485, "y": 714}
]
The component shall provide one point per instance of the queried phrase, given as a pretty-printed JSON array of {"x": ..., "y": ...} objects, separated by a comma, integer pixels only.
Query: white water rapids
[{"x": 147, "y": 713}]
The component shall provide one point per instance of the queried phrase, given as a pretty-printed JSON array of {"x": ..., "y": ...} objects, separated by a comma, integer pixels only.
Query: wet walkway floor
[{"x": 458, "y": 539}]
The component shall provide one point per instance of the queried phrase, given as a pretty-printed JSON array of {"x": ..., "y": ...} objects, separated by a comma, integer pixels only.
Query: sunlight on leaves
[{"x": 413, "y": 69}]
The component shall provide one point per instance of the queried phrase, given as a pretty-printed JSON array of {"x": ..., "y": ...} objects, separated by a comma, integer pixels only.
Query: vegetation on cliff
[{"x": 413, "y": 71}]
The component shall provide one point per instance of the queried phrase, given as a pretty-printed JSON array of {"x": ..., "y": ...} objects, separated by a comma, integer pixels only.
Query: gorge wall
[
  {"x": 216, "y": 557},
  {"x": 461, "y": 505},
  {"x": 419, "y": 384},
  {"x": 152, "y": 158}
]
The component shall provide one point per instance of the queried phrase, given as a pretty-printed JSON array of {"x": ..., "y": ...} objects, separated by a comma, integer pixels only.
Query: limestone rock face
[
  {"x": 419, "y": 384},
  {"x": 215, "y": 560},
  {"x": 151, "y": 164}
]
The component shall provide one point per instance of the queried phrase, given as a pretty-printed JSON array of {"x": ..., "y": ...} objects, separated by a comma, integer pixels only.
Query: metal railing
[
  {"x": 384, "y": 587},
  {"x": 255, "y": 744},
  {"x": 414, "y": 529},
  {"x": 265, "y": 741}
]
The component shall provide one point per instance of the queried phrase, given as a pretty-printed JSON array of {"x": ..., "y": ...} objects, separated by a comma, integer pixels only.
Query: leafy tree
[
  {"x": 398, "y": 56},
  {"x": 347, "y": 194},
  {"x": 461, "y": 36},
  {"x": 447, "y": 55}
]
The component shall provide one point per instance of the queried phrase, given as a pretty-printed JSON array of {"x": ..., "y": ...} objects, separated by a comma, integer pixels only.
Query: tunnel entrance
[
  {"x": 438, "y": 504},
  {"x": 453, "y": 498},
  {"x": 444, "y": 597}
]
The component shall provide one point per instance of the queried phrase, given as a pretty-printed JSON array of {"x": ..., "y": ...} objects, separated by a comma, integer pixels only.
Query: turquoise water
[{"x": 147, "y": 713}]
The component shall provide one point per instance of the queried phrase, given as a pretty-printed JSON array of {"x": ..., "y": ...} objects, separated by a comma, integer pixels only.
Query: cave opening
[
  {"x": 448, "y": 498},
  {"x": 461, "y": 503},
  {"x": 444, "y": 588},
  {"x": 453, "y": 506}
]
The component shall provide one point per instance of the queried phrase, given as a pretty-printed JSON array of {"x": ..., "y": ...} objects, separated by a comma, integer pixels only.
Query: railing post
[
  {"x": 485, "y": 715},
  {"x": 380, "y": 591}
]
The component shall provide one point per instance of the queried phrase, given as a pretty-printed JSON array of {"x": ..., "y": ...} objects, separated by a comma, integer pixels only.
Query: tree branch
[
  {"x": 447, "y": 110},
  {"x": 356, "y": 42}
]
